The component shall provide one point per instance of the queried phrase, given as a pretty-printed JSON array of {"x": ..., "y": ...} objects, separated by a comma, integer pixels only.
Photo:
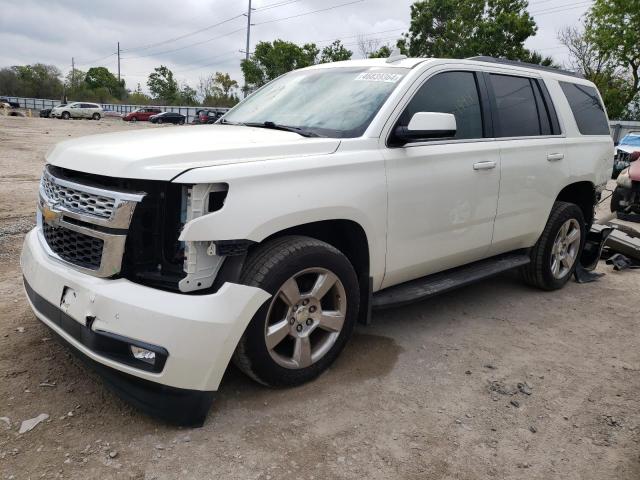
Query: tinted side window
[
  {"x": 450, "y": 92},
  {"x": 516, "y": 105},
  {"x": 587, "y": 109}
]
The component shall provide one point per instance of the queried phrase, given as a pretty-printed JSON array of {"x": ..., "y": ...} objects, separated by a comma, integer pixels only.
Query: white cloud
[{"x": 53, "y": 31}]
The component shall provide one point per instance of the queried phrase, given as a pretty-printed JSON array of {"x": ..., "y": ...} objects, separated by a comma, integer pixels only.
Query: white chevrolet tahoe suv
[{"x": 161, "y": 256}]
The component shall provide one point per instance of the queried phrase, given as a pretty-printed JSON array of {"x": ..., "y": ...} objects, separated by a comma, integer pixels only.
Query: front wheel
[
  {"x": 181, "y": 121},
  {"x": 160, "y": 121},
  {"x": 134, "y": 119},
  {"x": 314, "y": 304},
  {"x": 66, "y": 115},
  {"x": 555, "y": 256}
]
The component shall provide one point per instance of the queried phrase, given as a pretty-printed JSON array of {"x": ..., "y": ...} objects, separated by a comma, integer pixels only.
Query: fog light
[{"x": 143, "y": 355}]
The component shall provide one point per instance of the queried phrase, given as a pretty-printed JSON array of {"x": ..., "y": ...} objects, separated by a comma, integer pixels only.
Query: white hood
[{"x": 164, "y": 153}]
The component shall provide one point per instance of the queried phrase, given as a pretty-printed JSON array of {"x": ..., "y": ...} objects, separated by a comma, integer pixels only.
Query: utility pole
[
  {"x": 118, "y": 62},
  {"x": 73, "y": 72},
  {"x": 246, "y": 52}
]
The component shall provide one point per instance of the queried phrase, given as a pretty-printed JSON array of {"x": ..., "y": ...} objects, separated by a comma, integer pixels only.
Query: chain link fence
[{"x": 42, "y": 103}]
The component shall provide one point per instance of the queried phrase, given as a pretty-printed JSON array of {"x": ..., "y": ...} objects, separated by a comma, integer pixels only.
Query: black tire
[
  {"x": 96, "y": 116},
  {"x": 66, "y": 115},
  {"x": 134, "y": 119},
  {"x": 160, "y": 121},
  {"x": 538, "y": 273},
  {"x": 617, "y": 195},
  {"x": 181, "y": 121},
  {"x": 269, "y": 267}
]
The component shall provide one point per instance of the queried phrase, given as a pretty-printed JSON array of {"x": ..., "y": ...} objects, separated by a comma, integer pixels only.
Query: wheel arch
[
  {"x": 351, "y": 239},
  {"x": 582, "y": 194}
]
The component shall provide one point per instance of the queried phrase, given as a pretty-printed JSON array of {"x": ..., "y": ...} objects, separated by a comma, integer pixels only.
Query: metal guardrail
[{"x": 42, "y": 103}]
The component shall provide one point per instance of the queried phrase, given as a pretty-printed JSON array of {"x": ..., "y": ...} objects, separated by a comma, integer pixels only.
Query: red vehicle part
[
  {"x": 141, "y": 115},
  {"x": 634, "y": 167}
]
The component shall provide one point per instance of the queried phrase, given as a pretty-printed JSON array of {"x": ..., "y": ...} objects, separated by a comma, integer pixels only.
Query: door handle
[
  {"x": 554, "y": 157},
  {"x": 484, "y": 165}
]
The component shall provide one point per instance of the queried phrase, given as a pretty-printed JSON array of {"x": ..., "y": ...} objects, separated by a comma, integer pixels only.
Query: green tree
[
  {"x": 75, "y": 80},
  {"x": 162, "y": 85},
  {"x": 100, "y": 78},
  {"x": 187, "y": 96},
  {"x": 465, "y": 28},
  {"x": 531, "y": 56},
  {"x": 218, "y": 90},
  {"x": 272, "y": 59},
  {"x": 9, "y": 82},
  {"x": 335, "y": 52},
  {"x": 586, "y": 58},
  {"x": 614, "y": 28},
  {"x": 383, "y": 52},
  {"x": 38, "y": 80},
  {"x": 138, "y": 97}
]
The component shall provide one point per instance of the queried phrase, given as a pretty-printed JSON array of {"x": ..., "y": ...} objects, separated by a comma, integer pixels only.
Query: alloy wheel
[
  {"x": 565, "y": 248},
  {"x": 305, "y": 318}
]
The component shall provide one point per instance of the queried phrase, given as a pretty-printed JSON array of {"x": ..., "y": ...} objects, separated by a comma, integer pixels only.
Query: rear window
[
  {"x": 516, "y": 105},
  {"x": 587, "y": 108}
]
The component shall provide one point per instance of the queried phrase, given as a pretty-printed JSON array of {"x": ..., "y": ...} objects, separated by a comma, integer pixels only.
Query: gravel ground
[{"x": 492, "y": 381}]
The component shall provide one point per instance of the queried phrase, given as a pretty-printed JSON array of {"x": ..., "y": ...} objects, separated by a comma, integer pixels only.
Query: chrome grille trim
[
  {"x": 116, "y": 207},
  {"x": 56, "y": 211}
]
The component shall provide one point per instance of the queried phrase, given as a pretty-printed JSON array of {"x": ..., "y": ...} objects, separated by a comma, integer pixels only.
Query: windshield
[
  {"x": 633, "y": 140},
  {"x": 335, "y": 102}
]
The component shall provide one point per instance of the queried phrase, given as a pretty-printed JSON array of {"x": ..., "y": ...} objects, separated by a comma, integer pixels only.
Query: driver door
[{"x": 442, "y": 193}]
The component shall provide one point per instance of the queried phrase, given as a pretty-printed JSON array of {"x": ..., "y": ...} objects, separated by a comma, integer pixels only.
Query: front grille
[
  {"x": 74, "y": 247},
  {"x": 78, "y": 201}
]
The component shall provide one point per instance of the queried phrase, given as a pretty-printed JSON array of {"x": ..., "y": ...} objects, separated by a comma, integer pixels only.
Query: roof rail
[{"x": 517, "y": 63}]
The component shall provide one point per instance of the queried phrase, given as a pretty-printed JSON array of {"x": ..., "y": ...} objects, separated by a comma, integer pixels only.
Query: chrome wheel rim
[
  {"x": 305, "y": 318},
  {"x": 565, "y": 248}
]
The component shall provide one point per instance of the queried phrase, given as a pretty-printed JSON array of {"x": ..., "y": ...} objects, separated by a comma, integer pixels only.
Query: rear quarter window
[{"x": 587, "y": 108}]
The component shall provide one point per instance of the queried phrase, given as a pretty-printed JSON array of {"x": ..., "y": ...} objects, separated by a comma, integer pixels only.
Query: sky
[{"x": 195, "y": 38}]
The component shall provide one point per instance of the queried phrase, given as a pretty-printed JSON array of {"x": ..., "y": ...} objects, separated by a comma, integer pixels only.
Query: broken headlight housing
[{"x": 201, "y": 261}]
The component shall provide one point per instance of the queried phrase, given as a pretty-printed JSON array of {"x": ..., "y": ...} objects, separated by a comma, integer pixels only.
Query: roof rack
[{"x": 517, "y": 63}]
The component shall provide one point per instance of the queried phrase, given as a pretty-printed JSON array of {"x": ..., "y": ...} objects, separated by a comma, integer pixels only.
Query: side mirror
[{"x": 426, "y": 125}]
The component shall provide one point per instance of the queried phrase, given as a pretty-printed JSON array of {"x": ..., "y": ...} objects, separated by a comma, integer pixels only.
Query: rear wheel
[
  {"x": 555, "y": 256},
  {"x": 181, "y": 121},
  {"x": 96, "y": 116},
  {"x": 300, "y": 331}
]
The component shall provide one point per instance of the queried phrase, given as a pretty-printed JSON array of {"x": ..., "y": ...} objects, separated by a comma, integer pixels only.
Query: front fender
[{"x": 265, "y": 198}]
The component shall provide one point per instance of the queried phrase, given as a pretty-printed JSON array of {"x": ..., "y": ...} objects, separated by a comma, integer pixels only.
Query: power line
[
  {"x": 309, "y": 13},
  {"x": 186, "y": 35},
  {"x": 96, "y": 60},
  {"x": 562, "y": 8},
  {"x": 187, "y": 46},
  {"x": 275, "y": 5}
]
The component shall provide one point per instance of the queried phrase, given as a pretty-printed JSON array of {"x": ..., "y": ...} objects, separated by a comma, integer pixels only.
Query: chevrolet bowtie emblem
[{"x": 48, "y": 214}]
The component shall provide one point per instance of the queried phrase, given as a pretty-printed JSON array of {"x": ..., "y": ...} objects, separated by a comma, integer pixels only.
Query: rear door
[{"x": 532, "y": 158}]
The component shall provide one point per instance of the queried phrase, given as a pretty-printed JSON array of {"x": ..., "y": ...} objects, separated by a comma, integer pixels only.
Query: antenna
[{"x": 395, "y": 56}]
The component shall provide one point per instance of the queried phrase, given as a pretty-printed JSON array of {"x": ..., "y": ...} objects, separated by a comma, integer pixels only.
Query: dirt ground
[{"x": 429, "y": 391}]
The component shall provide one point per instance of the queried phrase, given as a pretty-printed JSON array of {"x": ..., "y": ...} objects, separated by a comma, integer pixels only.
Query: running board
[{"x": 441, "y": 282}]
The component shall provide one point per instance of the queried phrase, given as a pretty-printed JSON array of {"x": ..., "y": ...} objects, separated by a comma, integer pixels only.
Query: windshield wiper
[{"x": 274, "y": 126}]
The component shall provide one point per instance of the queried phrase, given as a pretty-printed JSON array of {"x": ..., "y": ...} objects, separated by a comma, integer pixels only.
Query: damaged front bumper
[{"x": 193, "y": 336}]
